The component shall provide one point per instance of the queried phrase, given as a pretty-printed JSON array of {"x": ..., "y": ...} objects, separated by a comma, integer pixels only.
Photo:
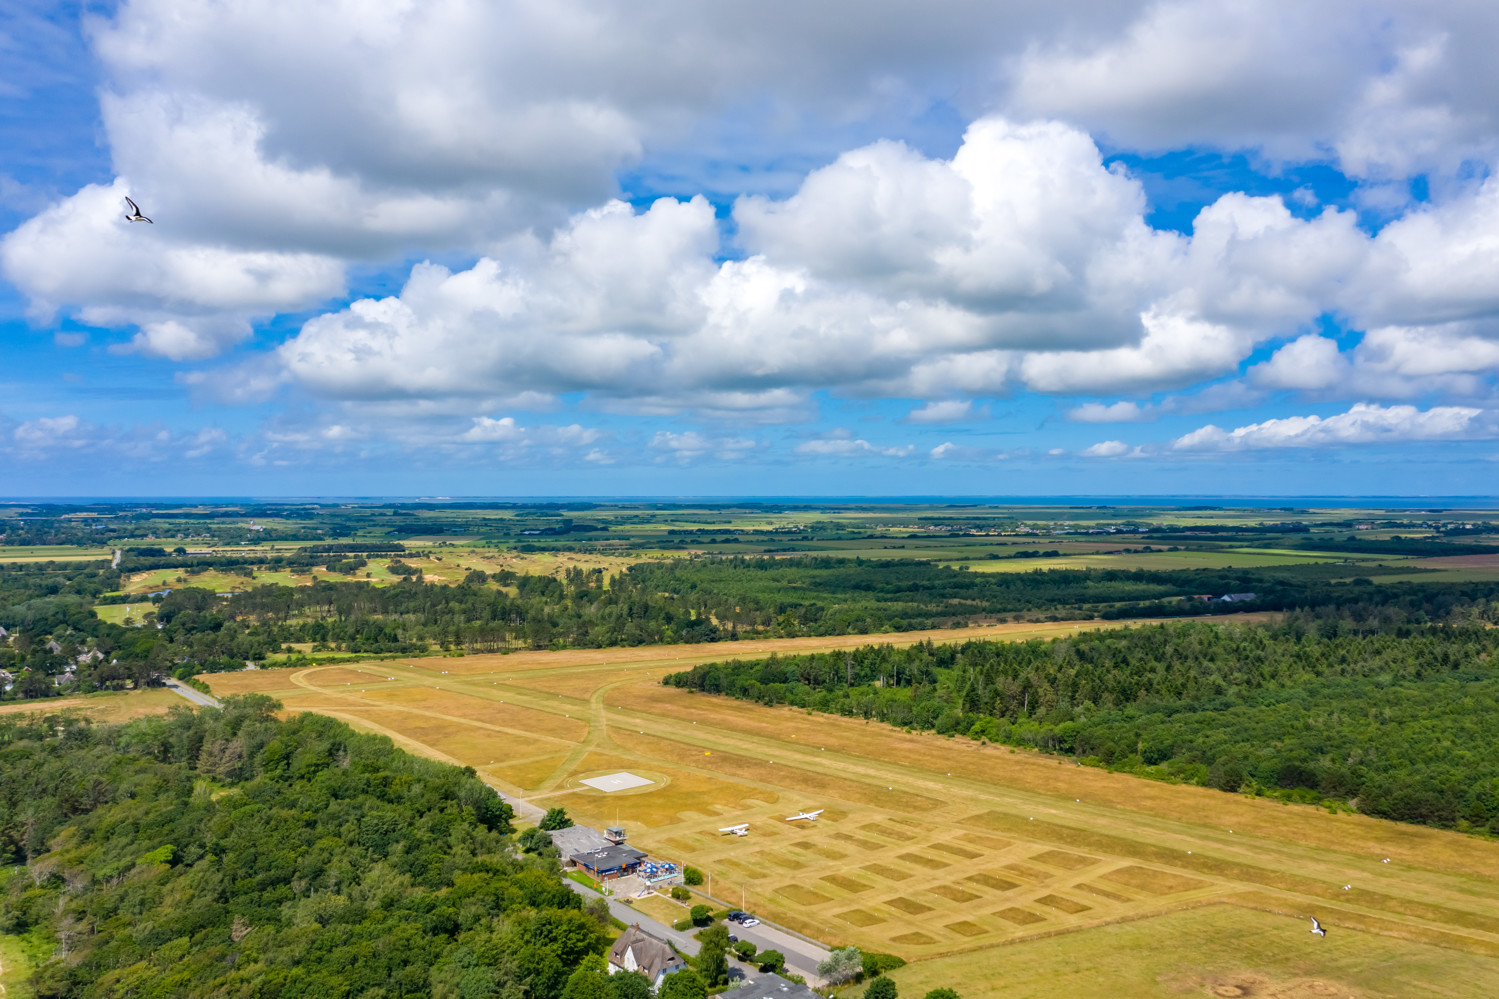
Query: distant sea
[{"x": 1287, "y": 503}]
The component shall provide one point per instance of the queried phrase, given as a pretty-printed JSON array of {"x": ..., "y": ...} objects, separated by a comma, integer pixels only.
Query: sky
[{"x": 954, "y": 247}]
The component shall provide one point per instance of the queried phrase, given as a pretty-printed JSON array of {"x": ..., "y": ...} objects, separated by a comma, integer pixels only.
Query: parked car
[
  {"x": 749, "y": 921},
  {"x": 735, "y": 915}
]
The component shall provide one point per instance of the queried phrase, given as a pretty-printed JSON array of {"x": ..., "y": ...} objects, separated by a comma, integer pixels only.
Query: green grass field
[
  {"x": 124, "y": 614},
  {"x": 1216, "y": 950},
  {"x": 1244, "y": 558},
  {"x": 54, "y": 553},
  {"x": 18, "y": 957}
]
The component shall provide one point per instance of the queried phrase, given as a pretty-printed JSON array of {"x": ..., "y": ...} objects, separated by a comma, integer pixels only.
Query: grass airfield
[{"x": 996, "y": 871}]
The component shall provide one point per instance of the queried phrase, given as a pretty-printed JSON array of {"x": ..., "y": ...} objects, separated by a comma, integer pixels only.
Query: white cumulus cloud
[{"x": 1364, "y": 423}]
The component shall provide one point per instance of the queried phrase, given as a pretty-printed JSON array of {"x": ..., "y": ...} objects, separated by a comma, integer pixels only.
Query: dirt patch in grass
[
  {"x": 1152, "y": 881},
  {"x": 1028, "y": 872},
  {"x": 955, "y": 850},
  {"x": 1063, "y": 903},
  {"x": 802, "y": 895},
  {"x": 822, "y": 851},
  {"x": 953, "y": 892},
  {"x": 907, "y": 905},
  {"x": 1248, "y": 984},
  {"x": 987, "y": 842},
  {"x": 1061, "y": 858},
  {"x": 899, "y": 835},
  {"x": 1019, "y": 916},
  {"x": 990, "y": 881},
  {"x": 860, "y": 917},
  {"x": 857, "y": 843},
  {"x": 779, "y": 860},
  {"x": 968, "y": 929},
  {"x": 845, "y": 882},
  {"x": 914, "y": 939},
  {"x": 887, "y": 872},
  {"x": 921, "y": 860},
  {"x": 1102, "y": 892}
]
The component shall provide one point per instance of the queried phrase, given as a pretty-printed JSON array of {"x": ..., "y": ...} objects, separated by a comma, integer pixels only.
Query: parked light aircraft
[
  {"x": 740, "y": 830},
  {"x": 809, "y": 816}
]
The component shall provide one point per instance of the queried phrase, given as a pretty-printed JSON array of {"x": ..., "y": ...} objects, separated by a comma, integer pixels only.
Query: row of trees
[
  {"x": 1398, "y": 718},
  {"x": 705, "y": 600}
]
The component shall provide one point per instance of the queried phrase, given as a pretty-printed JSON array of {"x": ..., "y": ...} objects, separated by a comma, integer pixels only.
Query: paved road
[
  {"x": 523, "y": 809},
  {"x": 200, "y": 699},
  {"x": 771, "y": 937},
  {"x": 801, "y": 956},
  {"x": 629, "y": 914}
]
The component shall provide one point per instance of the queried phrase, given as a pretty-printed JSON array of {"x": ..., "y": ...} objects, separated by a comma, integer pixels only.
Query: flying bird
[
  {"x": 135, "y": 213},
  {"x": 1317, "y": 928}
]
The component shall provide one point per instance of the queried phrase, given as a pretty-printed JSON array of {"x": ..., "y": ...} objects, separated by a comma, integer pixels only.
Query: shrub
[
  {"x": 692, "y": 876},
  {"x": 534, "y": 840},
  {"x": 556, "y": 818},
  {"x": 771, "y": 960},
  {"x": 841, "y": 965},
  {"x": 701, "y": 915},
  {"x": 876, "y": 963},
  {"x": 679, "y": 893},
  {"x": 745, "y": 949},
  {"x": 682, "y": 925},
  {"x": 942, "y": 994},
  {"x": 684, "y": 984},
  {"x": 882, "y": 988}
]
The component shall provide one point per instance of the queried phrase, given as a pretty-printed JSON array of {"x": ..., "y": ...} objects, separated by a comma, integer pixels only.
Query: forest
[
  {"x": 1378, "y": 711},
  {"x": 56, "y": 636},
  {"x": 231, "y": 854}
]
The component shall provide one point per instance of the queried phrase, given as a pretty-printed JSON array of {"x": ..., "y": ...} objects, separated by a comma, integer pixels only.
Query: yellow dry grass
[
  {"x": 104, "y": 708},
  {"x": 928, "y": 846}
]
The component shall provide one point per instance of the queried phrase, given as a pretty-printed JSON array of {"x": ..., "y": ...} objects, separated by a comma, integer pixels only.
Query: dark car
[{"x": 735, "y": 916}]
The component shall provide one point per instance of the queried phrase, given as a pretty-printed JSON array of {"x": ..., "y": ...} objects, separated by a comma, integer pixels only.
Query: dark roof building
[
  {"x": 637, "y": 950},
  {"x": 772, "y": 987},
  {"x": 609, "y": 862}
]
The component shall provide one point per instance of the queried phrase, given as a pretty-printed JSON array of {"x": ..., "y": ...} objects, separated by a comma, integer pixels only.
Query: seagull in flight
[
  {"x": 135, "y": 213},
  {"x": 1317, "y": 928}
]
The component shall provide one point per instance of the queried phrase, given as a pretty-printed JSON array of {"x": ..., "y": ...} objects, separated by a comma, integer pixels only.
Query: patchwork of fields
[{"x": 936, "y": 849}]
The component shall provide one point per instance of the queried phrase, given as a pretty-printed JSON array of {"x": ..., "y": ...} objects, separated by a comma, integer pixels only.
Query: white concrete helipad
[{"x": 622, "y": 781}]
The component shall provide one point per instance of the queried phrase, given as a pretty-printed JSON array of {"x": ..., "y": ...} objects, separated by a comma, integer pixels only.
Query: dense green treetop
[
  {"x": 231, "y": 854},
  {"x": 1400, "y": 719}
]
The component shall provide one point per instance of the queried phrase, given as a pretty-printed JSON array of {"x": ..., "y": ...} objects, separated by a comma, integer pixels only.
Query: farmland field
[{"x": 989, "y": 868}]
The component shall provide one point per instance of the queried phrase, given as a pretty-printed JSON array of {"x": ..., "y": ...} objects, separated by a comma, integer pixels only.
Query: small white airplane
[
  {"x": 739, "y": 830},
  {"x": 1317, "y": 928},
  {"x": 809, "y": 816}
]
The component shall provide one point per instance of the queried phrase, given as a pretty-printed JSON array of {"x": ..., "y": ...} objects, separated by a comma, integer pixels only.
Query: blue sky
[{"x": 962, "y": 248}]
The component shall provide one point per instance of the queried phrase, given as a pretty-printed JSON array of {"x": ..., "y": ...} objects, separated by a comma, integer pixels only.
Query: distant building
[
  {"x": 771, "y": 987},
  {"x": 52, "y": 646},
  {"x": 1236, "y": 598},
  {"x": 637, "y": 950}
]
